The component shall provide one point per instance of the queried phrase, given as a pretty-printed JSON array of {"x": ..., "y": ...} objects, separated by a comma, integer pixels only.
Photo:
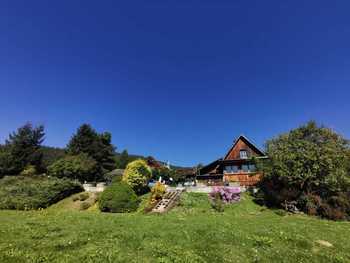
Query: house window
[
  {"x": 227, "y": 169},
  {"x": 245, "y": 168},
  {"x": 243, "y": 154},
  {"x": 252, "y": 168},
  {"x": 231, "y": 169},
  {"x": 235, "y": 169}
]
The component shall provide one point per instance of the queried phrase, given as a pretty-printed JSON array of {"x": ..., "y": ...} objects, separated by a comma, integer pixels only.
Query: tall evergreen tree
[
  {"x": 107, "y": 152},
  {"x": 22, "y": 148},
  {"x": 97, "y": 146},
  {"x": 123, "y": 159}
]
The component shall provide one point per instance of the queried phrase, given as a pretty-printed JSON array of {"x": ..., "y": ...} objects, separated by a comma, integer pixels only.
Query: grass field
[{"x": 192, "y": 232}]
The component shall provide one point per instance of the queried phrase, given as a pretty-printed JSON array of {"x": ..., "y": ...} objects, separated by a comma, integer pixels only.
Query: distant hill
[{"x": 52, "y": 154}]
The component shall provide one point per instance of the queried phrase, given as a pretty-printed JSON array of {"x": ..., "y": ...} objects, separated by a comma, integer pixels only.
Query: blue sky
[{"x": 178, "y": 80}]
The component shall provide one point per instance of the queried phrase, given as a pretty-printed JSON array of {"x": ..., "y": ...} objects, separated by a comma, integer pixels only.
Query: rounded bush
[
  {"x": 84, "y": 205},
  {"x": 80, "y": 167},
  {"x": 30, "y": 170},
  {"x": 83, "y": 196},
  {"x": 137, "y": 174},
  {"x": 118, "y": 198}
]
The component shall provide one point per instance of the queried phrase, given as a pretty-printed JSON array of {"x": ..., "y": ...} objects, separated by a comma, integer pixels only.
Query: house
[{"x": 237, "y": 165}]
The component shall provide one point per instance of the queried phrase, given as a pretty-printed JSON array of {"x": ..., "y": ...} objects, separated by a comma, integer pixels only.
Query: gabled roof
[
  {"x": 210, "y": 167},
  {"x": 248, "y": 142}
]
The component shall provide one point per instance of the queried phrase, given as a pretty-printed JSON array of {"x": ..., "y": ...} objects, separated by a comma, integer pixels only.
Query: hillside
[{"x": 192, "y": 232}]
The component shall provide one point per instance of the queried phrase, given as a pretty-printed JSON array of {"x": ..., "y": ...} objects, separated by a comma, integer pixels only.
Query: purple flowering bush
[{"x": 226, "y": 194}]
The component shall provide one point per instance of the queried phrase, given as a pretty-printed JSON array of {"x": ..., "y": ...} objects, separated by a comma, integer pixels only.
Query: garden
[{"x": 298, "y": 213}]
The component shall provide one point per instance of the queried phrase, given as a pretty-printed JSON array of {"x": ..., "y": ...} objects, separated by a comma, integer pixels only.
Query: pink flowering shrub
[{"x": 226, "y": 194}]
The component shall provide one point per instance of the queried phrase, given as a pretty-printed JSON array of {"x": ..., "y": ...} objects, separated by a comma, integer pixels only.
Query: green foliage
[
  {"x": 137, "y": 174},
  {"x": 51, "y": 155},
  {"x": 29, "y": 171},
  {"x": 281, "y": 212},
  {"x": 79, "y": 167},
  {"x": 163, "y": 172},
  {"x": 84, "y": 205},
  {"x": 118, "y": 198},
  {"x": 83, "y": 196},
  {"x": 123, "y": 160},
  {"x": 217, "y": 203},
  {"x": 113, "y": 176},
  {"x": 97, "y": 146},
  {"x": 308, "y": 160},
  {"x": 21, "y": 149},
  {"x": 5, "y": 161},
  {"x": 26, "y": 193}
]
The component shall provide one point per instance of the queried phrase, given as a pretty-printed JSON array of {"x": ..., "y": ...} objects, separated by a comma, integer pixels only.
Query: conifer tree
[{"x": 97, "y": 146}]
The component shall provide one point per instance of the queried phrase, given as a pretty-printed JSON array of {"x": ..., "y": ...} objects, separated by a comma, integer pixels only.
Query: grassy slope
[
  {"x": 68, "y": 204},
  {"x": 191, "y": 232}
]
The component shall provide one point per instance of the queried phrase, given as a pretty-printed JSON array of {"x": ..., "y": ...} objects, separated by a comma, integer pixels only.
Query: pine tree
[
  {"x": 123, "y": 159},
  {"x": 23, "y": 148},
  {"x": 95, "y": 145}
]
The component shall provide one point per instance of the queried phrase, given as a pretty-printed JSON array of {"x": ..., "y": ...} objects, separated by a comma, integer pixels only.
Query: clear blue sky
[{"x": 178, "y": 80}]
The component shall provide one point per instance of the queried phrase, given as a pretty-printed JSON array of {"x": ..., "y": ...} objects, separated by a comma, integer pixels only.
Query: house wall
[
  {"x": 241, "y": 145},
  {"x": 244, "y": 179}
]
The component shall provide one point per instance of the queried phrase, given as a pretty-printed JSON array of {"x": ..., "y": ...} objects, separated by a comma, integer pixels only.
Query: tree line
[{"x": 87, "y": 156}]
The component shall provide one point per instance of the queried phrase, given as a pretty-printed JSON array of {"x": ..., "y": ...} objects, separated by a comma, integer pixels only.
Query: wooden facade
[{"x": 237, "y": 165}]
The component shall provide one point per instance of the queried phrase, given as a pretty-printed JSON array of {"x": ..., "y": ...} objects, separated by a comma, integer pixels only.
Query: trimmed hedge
[
  {"x": 28, "y": 193},
  {"x": 118, "y": 198}
]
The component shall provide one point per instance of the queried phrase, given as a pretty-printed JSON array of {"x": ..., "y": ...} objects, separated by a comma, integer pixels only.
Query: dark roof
[
  {"x": 247, "y": 141},
  {"x": 208, "y": 168}
]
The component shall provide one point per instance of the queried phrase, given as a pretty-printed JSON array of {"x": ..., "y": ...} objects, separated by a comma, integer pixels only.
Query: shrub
[
  {"x": 83, "y": 196},
  {"x": 118, "y": 198},
  {"x": 26, "y": 193},
  {"x": 30, "y": 170},
  {"x": 309, "y": 159},
  {"x": 226, "y": 194},
  {"x": 78, "y": 167},
  {"x": 84, "y": 205},
  {"x": 330, "y": 212},
  {"x": 312, "y": 205},
  {"x": 137, "y": 175},
  {"x": 281, "y": 212},
  {"x": 217, "y": 203}
]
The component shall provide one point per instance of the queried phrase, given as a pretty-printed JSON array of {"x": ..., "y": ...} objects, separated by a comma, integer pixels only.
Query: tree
[
  {"x": 21, "y": 149},
  {"x": 164, "y": 172},
  {"x": 79, "y": 167},
  {"x": 309, "y": 160},
  {"x": 51, "y": 155},
  {"x": 5, "y": 161},
  {"x": 123, "y": 160},
  {"x": 97, "y": 146},
  {"x": 137, "y": 174}
]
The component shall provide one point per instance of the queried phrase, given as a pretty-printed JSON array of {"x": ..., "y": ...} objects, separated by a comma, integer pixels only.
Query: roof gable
[{"x": 242, "y": 143}]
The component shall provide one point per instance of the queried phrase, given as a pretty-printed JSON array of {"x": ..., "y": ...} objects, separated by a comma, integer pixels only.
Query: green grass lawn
[{"x": 192, "y": 232}]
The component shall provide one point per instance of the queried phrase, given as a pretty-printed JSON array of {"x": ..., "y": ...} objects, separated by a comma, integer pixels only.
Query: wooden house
[{"x": 237, "y": 165}]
